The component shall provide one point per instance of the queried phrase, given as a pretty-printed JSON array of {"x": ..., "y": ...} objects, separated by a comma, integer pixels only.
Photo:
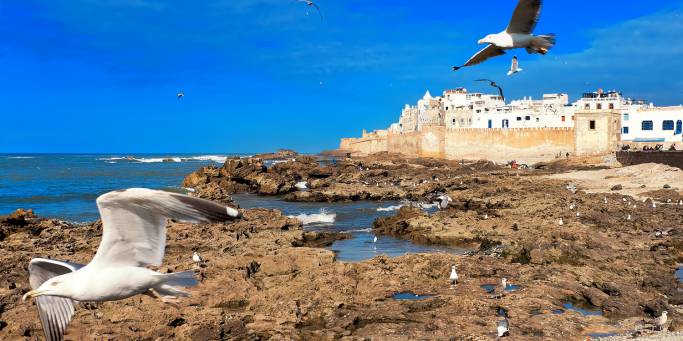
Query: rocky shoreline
[{"x": 595, "y": 274}]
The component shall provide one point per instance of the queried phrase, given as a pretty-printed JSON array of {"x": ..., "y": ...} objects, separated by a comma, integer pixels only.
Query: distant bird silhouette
[
  {"x": 495, "y": 85},
  {"x": 180, "y": 94},
  {"x": 310, "y": 3},
  {"x": 514, "y": 67}
]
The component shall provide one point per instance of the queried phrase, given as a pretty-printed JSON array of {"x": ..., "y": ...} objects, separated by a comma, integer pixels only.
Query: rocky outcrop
[{"x": 574, "y": 246}]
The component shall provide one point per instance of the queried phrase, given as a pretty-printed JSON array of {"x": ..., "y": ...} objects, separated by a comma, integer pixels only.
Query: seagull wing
[
  {"x": 319, "y": 11},
  {"x": 489, "y": 51},
  {"x": 134, "y": 223},
  {"x": 500, "y": 90},
  {"x": 55, "y": 312},
  {"x": 525, "y": 17}
]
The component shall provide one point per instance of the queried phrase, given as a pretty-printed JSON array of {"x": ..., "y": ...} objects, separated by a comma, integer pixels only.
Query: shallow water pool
[{"x": 353, "y": 217}]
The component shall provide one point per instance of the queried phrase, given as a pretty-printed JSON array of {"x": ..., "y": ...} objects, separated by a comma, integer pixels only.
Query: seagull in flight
[
  {"x": 310, "y": 3},
  {"x": 180, "y": 94},
  {"x": 495, "y": 85},
  {"x": 514, "y": 67},
  {"x": 518, "y": 34},
  {"x": 134, "y": 236}
]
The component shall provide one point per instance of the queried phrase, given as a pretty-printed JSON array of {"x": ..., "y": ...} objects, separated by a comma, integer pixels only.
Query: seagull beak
[
  {"x": 31, "y": 294},
  {"x": 481, "y": 41}
]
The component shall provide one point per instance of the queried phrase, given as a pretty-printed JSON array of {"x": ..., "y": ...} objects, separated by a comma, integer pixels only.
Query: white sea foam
[
  {"x": 389, "y": 208},
  {"x": 360, "y": 230},
  {"x": 322, "y": 218},
  {"x": 214, "y": 158},
  {"x": 21, "y": 157}
]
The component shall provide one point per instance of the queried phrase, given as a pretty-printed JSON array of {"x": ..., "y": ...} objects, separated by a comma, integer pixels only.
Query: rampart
[{"x": 527, "y": 144}]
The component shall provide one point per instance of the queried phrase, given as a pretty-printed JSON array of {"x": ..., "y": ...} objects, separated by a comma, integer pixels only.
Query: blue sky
[{"x": 101, "y": 75}]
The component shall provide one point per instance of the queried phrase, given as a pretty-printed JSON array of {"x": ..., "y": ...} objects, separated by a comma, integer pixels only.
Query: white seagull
[
  {"x": 310, "y": 3},
  {"x": 514, "y": 67},
  {"x": 661, "y": 321},
  {"x": 197, "y": 258},
  {"x": 180, "y": 94},
  {"x": 374, "y": 240},
  {"x": 134, "y": 225},
  {"x": 518, "y": 34},
  {"x": 443, "y": 201},
  {"x": 454, "y": 276},
  {"x": 560, "y": 222},
  {"x": 301, "y": 185},
  {"x": 503, "y": 328}
]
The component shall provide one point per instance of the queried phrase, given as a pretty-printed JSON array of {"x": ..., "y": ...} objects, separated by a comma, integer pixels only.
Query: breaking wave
[
  {"x": 322, "y": 218},
  {"x": 214, "y": 158},
  {"x": 389, "y": 208}
]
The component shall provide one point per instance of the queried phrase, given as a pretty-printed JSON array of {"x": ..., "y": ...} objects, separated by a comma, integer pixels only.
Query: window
[
  {"x": 587, "y": 106},
  {"x": 599, "y": 106},
  {"x": 668, "y": 125},
  {"x": 592, "y": 125},
  {"x": 453, "y": 121},
  {"x": 564, "y": 118},
  {"x": 626, "y": 116},
  {"x": 625, "y": 130},
  {"x": 490, "y": 124},
  {"x": 538, "y": 119},
  {"x": 527, "y": 118},
  {"x": 647, "y": 125},
  {"x": 611, "y": 106},
  {"x": 679, "y": 127},
  {"x": 519, "y": 118}
]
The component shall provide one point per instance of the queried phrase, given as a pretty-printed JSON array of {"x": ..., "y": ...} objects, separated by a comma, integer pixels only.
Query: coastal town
[{"x": 456, "y": 124}]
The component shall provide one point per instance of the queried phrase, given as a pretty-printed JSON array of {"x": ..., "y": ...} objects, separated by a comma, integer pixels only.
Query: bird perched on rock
[
  {"x": 499, "y": 290},
  {"x": 604, "y": 200},
  {"x": 518, "y": 34},
  {"x": 495, "y": 85},
  {"x": 571, "y": 206},
  {"x": 578, "y": 214},
  {"x": 654, "y": 205},
  {"x": 443, "y": 201},
  {"x": 503, "y": 327},
  {"x": 134, "y": 236},
  {"x": 661, "y": 321},
  {"x": 301, "y": 185},
  {"x": 572, "y": 188},
  {"x": 197, "y": 258},
  {"x": 658, "y": 322},
  {"x": 628, "y": 217},
  {"x": 454, "y": 276},
  {"x": 514, "y": 66},
  {"x": 680, "y": 203},
  {"x": 310, "y": 3},
  {"x": 560, "y": 222}
]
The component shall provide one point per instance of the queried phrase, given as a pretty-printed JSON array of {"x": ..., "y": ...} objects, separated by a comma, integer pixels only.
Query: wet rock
[{"x": 617, "y": 188}]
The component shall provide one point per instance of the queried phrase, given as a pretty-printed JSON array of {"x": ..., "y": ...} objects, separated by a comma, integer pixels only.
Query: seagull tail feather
[{"x": 171, "y": 283}]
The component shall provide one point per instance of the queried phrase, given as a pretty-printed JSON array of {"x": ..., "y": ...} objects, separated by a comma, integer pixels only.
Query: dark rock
[{"x": 617, "y": 187}]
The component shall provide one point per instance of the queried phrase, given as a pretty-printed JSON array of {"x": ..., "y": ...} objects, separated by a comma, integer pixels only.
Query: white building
[
  {"x": 460, "y": 109},
  {"x": 652, "y": 124}
]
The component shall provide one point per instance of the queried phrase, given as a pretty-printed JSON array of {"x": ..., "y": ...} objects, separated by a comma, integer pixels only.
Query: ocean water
[{"x": 66, "y": 186}]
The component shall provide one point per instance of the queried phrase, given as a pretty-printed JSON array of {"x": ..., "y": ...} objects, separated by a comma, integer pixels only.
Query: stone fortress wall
[{"x": 528, "y": 144}]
